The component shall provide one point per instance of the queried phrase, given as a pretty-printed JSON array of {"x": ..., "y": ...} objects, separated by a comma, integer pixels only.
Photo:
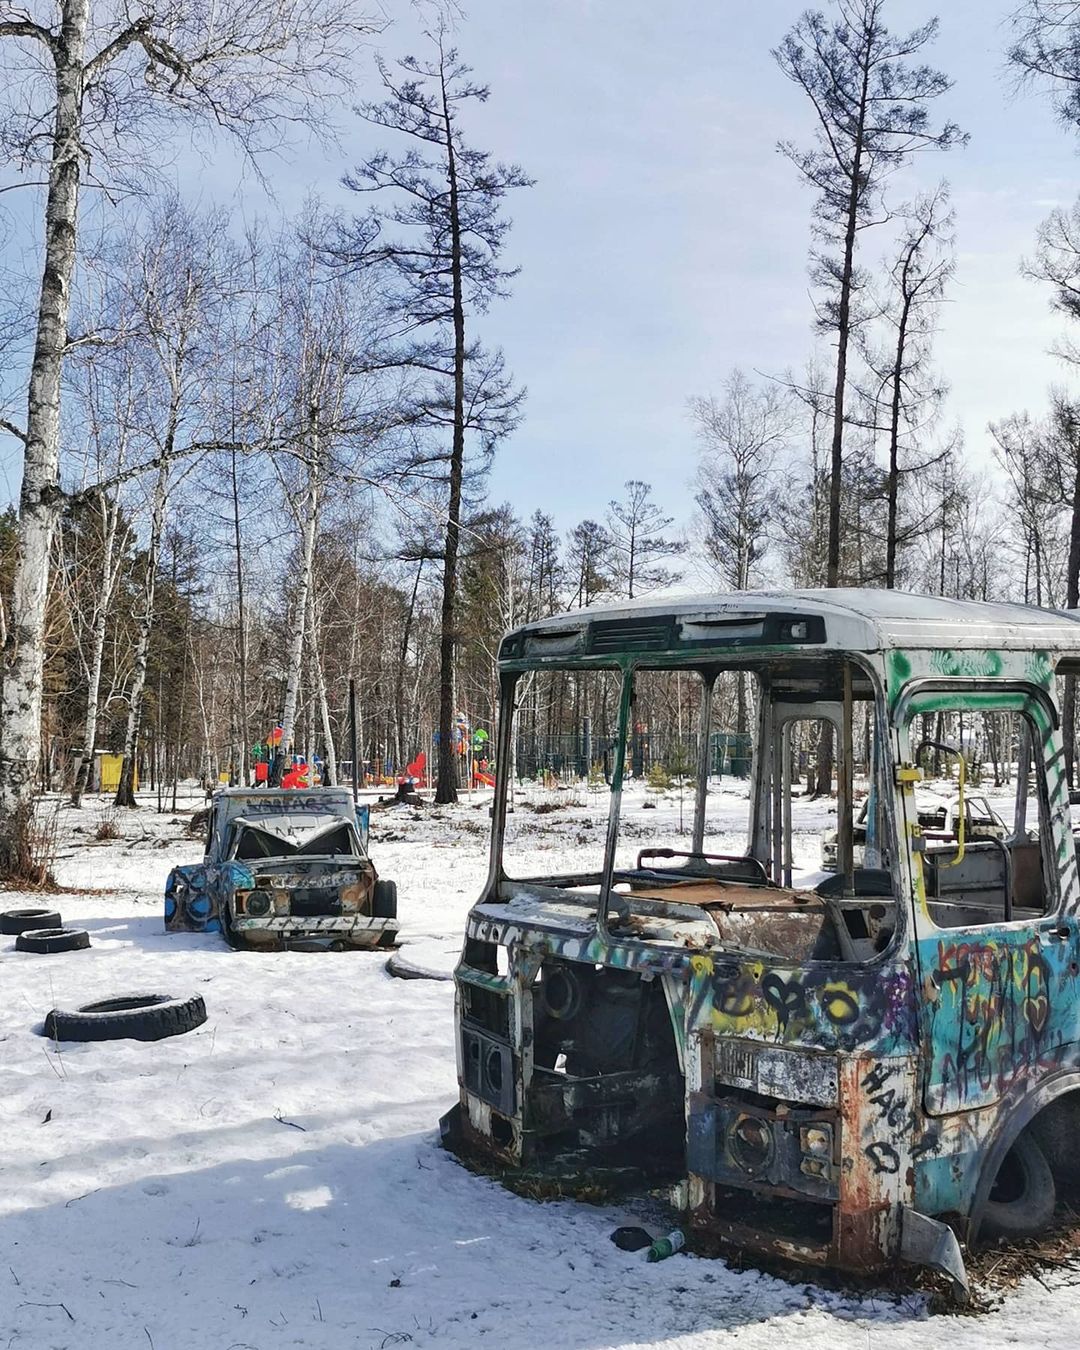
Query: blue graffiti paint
[{"x": 197, "y": 894}]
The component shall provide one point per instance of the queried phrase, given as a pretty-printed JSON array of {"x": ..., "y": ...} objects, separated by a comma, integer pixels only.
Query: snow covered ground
[{"x": 274, "y": 1178}]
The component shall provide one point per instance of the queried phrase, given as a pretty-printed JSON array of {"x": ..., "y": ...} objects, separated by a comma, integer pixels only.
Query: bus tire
[{"x": 1023, "y": 1197}]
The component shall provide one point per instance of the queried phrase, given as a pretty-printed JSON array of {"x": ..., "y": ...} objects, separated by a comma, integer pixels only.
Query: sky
[{"x": 665, "y": 240}]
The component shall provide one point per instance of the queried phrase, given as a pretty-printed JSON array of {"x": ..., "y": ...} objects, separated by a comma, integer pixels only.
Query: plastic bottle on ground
[{"x": 664, "y": 1247}]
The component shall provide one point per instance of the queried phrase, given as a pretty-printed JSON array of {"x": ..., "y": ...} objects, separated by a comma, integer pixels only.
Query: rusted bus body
[{"x": 840, "y": 1075}]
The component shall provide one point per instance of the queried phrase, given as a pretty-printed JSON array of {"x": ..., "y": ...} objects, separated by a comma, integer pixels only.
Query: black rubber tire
[
  {"x": 384, "y": 900},
  {"x": 50, "y": 941},
  {"x": 133, "y": 1017},
  {"x": 16, "y": 921},
  {"x": 1029, "y": 1205},
  {"x": 405, "y": 970},
  {"x": 228, "y": 932}
]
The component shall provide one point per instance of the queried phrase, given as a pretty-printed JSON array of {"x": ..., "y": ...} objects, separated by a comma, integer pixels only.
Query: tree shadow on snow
[{"x": 390, "y": 1243}]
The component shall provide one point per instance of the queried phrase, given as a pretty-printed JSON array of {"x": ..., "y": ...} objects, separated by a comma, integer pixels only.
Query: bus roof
[{"x": 831, "y": 620}]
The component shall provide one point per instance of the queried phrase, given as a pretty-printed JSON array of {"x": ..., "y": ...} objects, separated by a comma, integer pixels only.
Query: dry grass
[
  {"x": 36, "y": 848},
  {"x": 996, "y": 1270},
  {"x": 108, "y": 826}
]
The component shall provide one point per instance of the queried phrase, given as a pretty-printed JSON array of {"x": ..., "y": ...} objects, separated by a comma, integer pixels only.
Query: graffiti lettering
[
  {"x": 876, "y": 1079},
  {"x": 884, "y": 1159},
  {"x": 992, "y": 1017},
  {"x": 891, "y": 1109},
  {"x": 273, "y": 806}
]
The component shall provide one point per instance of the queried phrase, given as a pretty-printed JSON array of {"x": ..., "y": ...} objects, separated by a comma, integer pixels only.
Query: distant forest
[{"x": 255, "y": 455}]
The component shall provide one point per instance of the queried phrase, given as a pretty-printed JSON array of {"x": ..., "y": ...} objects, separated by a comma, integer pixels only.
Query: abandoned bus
[{"x": 844, "y": 1069}]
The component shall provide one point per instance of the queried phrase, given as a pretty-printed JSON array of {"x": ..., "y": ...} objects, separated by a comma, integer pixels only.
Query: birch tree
[
  {"x": 307, "y": 516},
  {"x": 144, "y": 625},
  {"x": 741, "y": 436},
  {"x": 114, "y": 539},
  {"x": 319, "y": 401},
  {"x": 1020, "y": 448},
  {"x": 738, "y": 488},
  {"x": 107, "y": 394},
  {"x": 109, "y": 86},
  {"x": 174, "y": 272}
]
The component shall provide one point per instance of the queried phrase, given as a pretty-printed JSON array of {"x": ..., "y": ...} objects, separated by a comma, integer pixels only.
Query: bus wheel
[{"x": 1023, "y": 1196}]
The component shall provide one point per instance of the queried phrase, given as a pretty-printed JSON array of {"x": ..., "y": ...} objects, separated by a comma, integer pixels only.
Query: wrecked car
[
  {"x": 285, "y": 868},
  {"x": 938, "y": 817},
  {"x": 875, "y": 1069}
]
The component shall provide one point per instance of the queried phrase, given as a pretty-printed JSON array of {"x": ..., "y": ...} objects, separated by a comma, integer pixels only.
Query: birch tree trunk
[
  {"x": 40, "y": 499},
  {"x": 892, "y": 481},
  {"x": 241, "y": 634},
  {"x": 319, "y": 691},
  {"x": 125, "y": 791},
  {"x": 110, "y": 568},
  {"x": 300, "y": 605}
]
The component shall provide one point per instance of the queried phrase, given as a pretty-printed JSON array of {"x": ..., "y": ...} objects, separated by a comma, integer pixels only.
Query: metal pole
[
  {"x": 785, "y": 778},
  {"x": 844, "y": 804},
  {"x": 707, "y": 683},
  {"x": 776, "y": 764},
  {"x": 626, "y": 698}
]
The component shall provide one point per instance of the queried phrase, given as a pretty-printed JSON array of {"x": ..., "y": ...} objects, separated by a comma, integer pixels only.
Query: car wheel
[
  {"x": 135, "y": 1017},
  {"x": 228, "y": 932},
  {"x": 15, "y": 921},
  {"x": 50, "y": 941},
  {"x": 1023, "y": 1196},
  {"x": 384, "y": 900}
]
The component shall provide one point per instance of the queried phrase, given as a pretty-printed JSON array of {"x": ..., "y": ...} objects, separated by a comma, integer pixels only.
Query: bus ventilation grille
[{"x": 631, "y": 635}]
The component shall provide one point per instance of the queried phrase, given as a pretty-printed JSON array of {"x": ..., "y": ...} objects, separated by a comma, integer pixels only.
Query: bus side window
[{"x": 999, "y": 867}]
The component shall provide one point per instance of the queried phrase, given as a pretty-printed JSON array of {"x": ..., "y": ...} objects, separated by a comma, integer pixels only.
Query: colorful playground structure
[{"x": 470, "y": 746}]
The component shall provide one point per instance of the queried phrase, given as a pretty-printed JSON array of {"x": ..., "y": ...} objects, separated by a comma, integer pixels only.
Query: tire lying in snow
[
  {"x": 1023, "y": 1196},
  {"x": 48, "y": 941},
  {"x": 16, "y": 921},
  {"x": 405, "y": 970},
  {"x": 135, "y": 1017}
]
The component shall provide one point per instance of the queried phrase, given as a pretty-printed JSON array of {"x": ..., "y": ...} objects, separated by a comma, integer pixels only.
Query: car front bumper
[{"x": 351, "y": 930}]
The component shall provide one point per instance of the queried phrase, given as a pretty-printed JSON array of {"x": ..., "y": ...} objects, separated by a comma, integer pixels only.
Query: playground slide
[{"x": 483, "y": 780}]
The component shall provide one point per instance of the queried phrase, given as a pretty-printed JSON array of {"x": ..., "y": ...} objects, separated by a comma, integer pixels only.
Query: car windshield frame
[{"x": 299, "y": 853}]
